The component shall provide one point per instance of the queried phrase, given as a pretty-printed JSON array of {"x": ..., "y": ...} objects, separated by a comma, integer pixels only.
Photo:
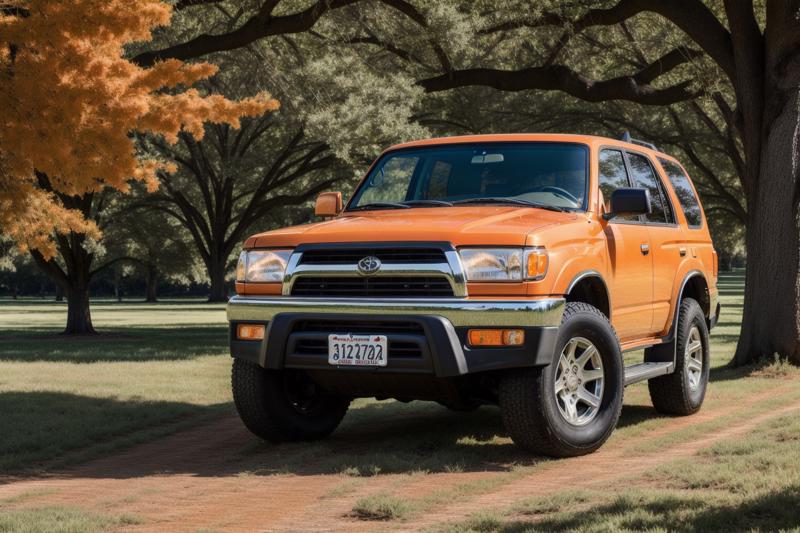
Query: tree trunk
[
  {"x": 771, "y": 320},
  {"x": 79, "y": 318},
  {"x": 117, "y": 292},
  {"x": 216, "y": 272},
  {"x": 152, "y": 283}
]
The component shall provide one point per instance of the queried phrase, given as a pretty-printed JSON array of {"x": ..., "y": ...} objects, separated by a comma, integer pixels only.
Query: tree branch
[
  {"x": 633, "y": 88},
  {"x": 261, "y": 25}
]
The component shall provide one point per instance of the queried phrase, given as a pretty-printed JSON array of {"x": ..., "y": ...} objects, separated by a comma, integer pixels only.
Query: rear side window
[
  {"x": 644, "y": 176},
  {"x": 684, "y": 192}
]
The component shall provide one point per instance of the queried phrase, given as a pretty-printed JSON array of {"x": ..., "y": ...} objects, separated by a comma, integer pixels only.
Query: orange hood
[{"x": 463, "y": 225}]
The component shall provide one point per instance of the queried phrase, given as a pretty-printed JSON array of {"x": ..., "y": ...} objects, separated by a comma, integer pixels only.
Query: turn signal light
[
  {"x": 496, "y": 337},
  {"x": 536, "y": 264},
  {"x": 250, "y": 332}
]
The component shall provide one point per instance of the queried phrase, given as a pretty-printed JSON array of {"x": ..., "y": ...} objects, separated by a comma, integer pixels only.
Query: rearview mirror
[
  {"x": 629, "y": 201},
  {"x": 329, "y": 204}
]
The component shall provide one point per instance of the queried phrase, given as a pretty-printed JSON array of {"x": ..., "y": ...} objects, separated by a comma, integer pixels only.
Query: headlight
[
  {"x": 262, "y": 265},
  {"x": 504, "y": 264}
]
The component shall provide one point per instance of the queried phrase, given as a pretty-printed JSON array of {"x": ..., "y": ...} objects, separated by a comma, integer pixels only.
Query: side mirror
[
  {"x": 629, "y": 201},
  {"x": 329, "y": 204}
]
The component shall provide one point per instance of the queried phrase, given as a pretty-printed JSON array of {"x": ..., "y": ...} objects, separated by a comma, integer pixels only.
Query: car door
[
  {"x": 666, "y": 239},
  {"x": 630, "y": 265}
]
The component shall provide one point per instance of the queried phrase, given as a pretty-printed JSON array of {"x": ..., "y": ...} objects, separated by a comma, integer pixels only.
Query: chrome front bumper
[
  {"x": 459, "y": 312},
  {"x": 443, "y": 346}
]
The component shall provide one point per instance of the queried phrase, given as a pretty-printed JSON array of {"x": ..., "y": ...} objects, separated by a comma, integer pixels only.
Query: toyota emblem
[{"x": 369, "y": 265}]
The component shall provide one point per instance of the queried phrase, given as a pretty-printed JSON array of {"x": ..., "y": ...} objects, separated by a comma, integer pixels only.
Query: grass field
[
  {"x": 159, "y": 368},
  {"x": 154, "y": 368}
]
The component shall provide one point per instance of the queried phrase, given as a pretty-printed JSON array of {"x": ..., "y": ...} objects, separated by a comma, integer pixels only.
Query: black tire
[
  {"x": 528, "y": 401},
  {"x": 673, "y": 393},
  {"x": 284, "y": 405}
]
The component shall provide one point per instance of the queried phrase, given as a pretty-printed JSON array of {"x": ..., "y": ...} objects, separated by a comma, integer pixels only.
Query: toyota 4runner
[{"x": 504, "y": 269}]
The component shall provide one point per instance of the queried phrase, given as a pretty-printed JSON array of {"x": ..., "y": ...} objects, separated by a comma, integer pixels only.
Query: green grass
[
  {"x": 380, "y": 507},
  {"x": 60, "y": 520},
  {"x": 153, "y": 369},
  {"x": 750, "y": 483}
]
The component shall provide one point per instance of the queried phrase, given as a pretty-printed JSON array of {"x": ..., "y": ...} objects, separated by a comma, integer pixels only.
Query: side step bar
[{"x": 645, "y": 371}]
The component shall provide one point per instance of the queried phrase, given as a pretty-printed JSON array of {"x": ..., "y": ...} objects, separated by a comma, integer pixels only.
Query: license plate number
[{"x": 357, "y": 350}]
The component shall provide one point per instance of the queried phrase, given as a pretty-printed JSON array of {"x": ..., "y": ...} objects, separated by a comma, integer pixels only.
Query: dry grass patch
[{"x": 380, "y": 506}]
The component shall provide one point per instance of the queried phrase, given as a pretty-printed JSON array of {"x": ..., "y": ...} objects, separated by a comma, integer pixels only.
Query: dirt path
[
  {"x": 210, "y": 478},
  {"x": 601, "y": 469}
]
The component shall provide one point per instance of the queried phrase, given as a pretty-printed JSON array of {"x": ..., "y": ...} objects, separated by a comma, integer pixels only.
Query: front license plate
[{"x": 357, "y": 350}]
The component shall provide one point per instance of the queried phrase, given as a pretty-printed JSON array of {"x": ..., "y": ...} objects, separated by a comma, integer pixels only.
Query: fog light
[
  {"x": 250, "y": 332},
  {"x": 513, "y": 337},
  {"x": 496, "y": 337}
]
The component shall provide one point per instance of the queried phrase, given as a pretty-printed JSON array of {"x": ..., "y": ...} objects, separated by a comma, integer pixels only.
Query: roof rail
[{"x": 627, "y": 138}]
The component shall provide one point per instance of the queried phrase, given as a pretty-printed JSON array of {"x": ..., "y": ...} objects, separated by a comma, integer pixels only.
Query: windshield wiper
[
  {"x": 428, "y": 202},
  {"x": 513, "y": 201},
  {"x": 380, "y": 205}
]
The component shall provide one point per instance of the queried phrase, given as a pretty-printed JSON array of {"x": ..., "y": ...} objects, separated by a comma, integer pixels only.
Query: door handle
[
  {"x": 645, "y": 248},
  {"x": 682, "y": 251}
]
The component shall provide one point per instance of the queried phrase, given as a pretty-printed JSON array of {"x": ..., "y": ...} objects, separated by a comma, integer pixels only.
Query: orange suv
[{"x": 500, "y": 269}]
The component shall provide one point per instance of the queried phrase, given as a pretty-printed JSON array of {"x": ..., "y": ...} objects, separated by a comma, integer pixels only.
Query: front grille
[
  {"x": 319, "y": 345},
  {"x": 389, "y": 286},
  {"x": 387, "y": 255}
]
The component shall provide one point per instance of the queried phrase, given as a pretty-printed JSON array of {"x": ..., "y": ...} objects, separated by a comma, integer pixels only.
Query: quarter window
[
  {"x": 644, "y": 176},
  {"x": 684, "y": 192}
]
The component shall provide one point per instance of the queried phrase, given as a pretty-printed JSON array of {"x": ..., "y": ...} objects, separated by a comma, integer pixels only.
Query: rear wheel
[
  {"x": 683, "y": 391},
  {"x": 571, "y": 406},
  {"x": 284, "y": 405}
]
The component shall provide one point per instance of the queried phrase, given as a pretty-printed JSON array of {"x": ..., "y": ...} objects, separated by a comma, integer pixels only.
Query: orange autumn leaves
[{"x": 70, "y": 102}]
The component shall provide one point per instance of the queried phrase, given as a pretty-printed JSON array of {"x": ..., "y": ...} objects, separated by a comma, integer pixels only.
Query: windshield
[{"x": 549, "y": 175}]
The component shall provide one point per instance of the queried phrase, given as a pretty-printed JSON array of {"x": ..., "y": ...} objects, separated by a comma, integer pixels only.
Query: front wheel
[
  {"x": 571, "y": 406},
  {"x": 284, "y": 405}
]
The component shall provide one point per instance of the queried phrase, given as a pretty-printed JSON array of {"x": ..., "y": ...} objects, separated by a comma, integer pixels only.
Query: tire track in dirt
[
  {"x": 194, "y": 479},
  {"x": 587, "y": 472}
]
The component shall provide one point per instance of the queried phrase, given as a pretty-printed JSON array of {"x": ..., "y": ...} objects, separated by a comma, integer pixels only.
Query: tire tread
[
  {"x": 264, "y": 417},
  {"x": 670, "y": 393}
]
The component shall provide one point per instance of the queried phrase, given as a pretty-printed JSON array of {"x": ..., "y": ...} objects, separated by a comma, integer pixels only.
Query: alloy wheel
[{"x": 579, "y": 381}]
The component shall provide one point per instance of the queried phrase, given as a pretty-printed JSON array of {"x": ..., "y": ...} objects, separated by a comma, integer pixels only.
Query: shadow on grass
[
  {"x": 37, "y": 428},
  {"x": 774, "y": 511},
  {"x": 41, "y": 431},
  {"x": 123, "y": 344},
  {"x": 390, "y": 438},
  {"x": 395, "y": 438}
]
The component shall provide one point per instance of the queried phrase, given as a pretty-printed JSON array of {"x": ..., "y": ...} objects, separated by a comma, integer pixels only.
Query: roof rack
[{"x": 627, "y": 138}]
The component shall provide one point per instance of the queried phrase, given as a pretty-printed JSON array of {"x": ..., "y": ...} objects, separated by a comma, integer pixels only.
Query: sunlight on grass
[
  {"x": 379, "y": 507},
  {"x": 77, "y": 397},
  {"x": 60, "y": 519}
]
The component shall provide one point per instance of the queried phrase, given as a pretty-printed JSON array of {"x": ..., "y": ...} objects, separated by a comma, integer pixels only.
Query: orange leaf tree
[{"x": 71, "y": 102}]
